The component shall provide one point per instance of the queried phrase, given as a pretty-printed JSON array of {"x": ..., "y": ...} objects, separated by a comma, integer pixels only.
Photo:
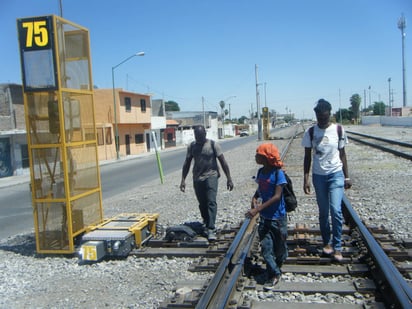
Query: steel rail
[
  {"x": 211, "y": 293},
  {"x": 403, "y": 144},
  {"x": 220, "y": 289},
  {"x": 397, "y": 284},
  {"x": 380, "y": 147}
]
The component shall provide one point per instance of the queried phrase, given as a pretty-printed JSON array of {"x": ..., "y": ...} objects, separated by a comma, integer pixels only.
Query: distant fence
[{"x": 387, "y": 121}]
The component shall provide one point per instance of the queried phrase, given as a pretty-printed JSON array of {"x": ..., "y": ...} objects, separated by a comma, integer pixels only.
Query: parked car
[{"x": 244, "y": 133}]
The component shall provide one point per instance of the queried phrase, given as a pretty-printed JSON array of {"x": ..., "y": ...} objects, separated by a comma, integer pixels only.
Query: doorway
[{"x": 127, "y": 140}]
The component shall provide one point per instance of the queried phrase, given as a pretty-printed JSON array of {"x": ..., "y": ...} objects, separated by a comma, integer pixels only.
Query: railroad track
[
  {"x": 374, "y": 269},
  {"x": 397, "y": 148}
]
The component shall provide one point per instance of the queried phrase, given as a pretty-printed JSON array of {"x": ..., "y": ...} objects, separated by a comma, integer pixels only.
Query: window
[
  {"x": 89, "y": 134},
  {"x": 143, "y": 105},
  {"x": 109, "y": 136},
  {"x": 100, "y": 139},
  {"x": 24, "y": 156},
  {"x": 138, "y": 138},
  {"x": 128, "y": 104}
]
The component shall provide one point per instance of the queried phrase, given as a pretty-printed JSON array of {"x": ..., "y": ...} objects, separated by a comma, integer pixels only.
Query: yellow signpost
[
  {"x": 61, "y": 132},
  {"x": 265, "y": 118}
]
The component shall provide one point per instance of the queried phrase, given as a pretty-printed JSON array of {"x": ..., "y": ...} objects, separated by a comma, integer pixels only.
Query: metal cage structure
[{"x": 61, "y": 131}]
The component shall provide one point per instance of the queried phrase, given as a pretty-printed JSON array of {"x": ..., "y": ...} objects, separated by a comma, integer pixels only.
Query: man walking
[{"x": 205, "y": 176}]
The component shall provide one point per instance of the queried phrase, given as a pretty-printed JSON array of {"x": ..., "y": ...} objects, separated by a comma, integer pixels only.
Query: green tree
[
  {"x": 343, "y": 115},
  {"x": 242, "y": 119},
  {"x": 288, "y": 118},
  {"x": 379, "y": 108},
  {"x": 172, "y": 106},
  {"x": 355, "y": 102},
  {"x": 222, "y": 111},
  {"x": 368, "y": 110}
]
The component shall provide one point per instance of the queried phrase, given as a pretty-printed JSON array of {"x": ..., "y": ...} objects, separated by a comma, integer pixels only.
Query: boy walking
[{"x": 269, "y": 203}]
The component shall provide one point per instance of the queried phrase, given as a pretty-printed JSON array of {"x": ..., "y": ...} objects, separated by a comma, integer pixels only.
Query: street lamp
[
  {"x": 258, "y": 105},
  {"x": 116, "y": 131}
]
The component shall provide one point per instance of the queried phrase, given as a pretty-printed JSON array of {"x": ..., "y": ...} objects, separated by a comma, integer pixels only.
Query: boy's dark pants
[{"x": 273, "y": 235}]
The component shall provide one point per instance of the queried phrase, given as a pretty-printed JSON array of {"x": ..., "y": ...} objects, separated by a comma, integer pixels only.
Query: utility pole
[
  {"x": 340, "y": 109},
  {"x": 265, "y": 96},
  {"x": 60, "y": 8},
  {"x": 258, "y": 106},
  {"x": 402, "y": 26},
  {"x": 389, "y": 101},
  {"x": 203, "y": 109},
  {"x": 370, "y": 103}
]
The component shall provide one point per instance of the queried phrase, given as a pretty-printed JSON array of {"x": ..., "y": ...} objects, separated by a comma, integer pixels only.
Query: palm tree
[{"x": 355, "y": 102}]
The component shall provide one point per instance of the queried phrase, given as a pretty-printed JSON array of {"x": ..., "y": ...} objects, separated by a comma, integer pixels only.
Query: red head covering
[{"x": 271, "y": 152}]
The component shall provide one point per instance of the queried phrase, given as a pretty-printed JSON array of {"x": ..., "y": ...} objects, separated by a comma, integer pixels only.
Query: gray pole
[
  {"x": 203, "y": 108},
  {"x": 61, "y": 8},
  {"x": 340, "y": 109},
  {"x": 265, "y": 96},
  {"x": 389, "y": 99},
  {"x": 402, "y": 26},
  {"x": 370, "y": 103},
  {"x": 116, "y": 129},
  {"x": 258, "y": 106}
]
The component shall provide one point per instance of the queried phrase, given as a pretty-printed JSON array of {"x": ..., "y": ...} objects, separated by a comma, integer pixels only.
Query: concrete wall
[
  {"x": 185, "y": 137},
  {"x": 387, "y": 121}
]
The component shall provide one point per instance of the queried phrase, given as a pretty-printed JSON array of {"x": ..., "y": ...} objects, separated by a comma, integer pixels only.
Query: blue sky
[{"x": 304, "y": 50}]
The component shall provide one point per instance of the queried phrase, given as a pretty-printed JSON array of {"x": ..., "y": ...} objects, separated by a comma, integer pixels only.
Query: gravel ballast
[{"x": 381, "y": 195}]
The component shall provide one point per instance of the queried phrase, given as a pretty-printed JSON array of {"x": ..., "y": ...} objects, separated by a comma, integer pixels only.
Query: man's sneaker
[
  {"x": 211, "y": 235},
  {"x": 338, "y": 256},
  {"x": 328, "y": 250}
]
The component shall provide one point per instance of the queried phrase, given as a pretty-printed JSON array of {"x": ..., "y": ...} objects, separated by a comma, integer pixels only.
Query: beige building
[{"x": 133, "y": 113}]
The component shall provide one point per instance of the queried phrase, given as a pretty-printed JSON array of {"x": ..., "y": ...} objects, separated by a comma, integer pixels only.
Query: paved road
[{"x": 117, "y": 177}]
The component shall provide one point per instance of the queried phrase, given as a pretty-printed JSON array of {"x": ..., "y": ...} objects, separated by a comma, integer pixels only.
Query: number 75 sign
[
  {"x": 37, "y": 53},
  {"x": 35, "y": 33}
]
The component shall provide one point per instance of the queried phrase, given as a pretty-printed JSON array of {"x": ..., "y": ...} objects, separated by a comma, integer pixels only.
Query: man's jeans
[
  {"x": 273, "y": 235},
  {"x": 329, "y": 193},
  {"x": 206, "y": 192}
]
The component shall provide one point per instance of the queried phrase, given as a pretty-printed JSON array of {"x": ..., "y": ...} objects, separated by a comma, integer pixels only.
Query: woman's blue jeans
[
  {"x": 329, "y": 193},
  {"x": 273, "y": 235}
]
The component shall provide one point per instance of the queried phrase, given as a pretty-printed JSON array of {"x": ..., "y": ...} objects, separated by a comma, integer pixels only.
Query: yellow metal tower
[{"x": 61, "y": 132}]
